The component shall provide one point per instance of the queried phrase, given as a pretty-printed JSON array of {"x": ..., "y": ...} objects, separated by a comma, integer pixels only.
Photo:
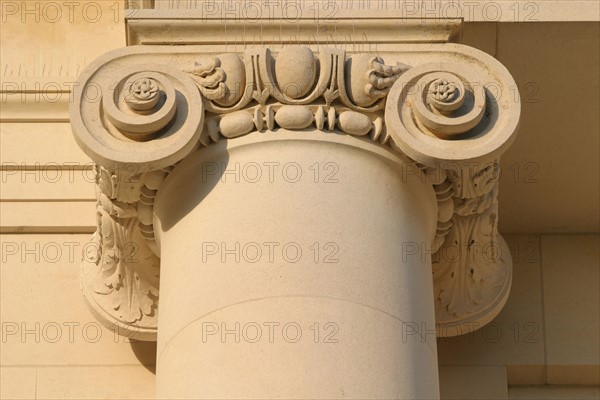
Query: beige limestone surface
[
  {"x": 554, "y": 393},
  {"x": 572, "y": 309},
  {"x": 346, "y": 317},
  {"x": 477, "y": 383},
  {"x": 542, "y": 53}
]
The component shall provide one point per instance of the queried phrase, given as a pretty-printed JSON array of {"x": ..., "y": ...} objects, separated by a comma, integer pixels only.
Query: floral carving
[
  {"x": 471, "y": 263},
  {"x": 121, "y": 277},
  {"x": 145, "y": 88},
  {"x": 443, "y": 90},
  {"x": 143, "y": 94}
]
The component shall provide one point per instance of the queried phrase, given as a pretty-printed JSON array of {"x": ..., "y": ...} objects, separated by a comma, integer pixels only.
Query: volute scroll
[
  {"x": 119, "y": 117},
  {"x": 455, "y": 120},
  {"x": 135, "y": 123}
]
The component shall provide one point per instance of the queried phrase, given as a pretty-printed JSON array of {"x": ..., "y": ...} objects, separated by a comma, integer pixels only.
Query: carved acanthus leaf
[
  {"x": 469, "y": 265},
  {"x": 120, "y": 279}
]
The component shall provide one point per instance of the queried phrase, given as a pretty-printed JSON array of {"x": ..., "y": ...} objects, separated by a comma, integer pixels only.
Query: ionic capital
[{"x": 447, "y": 109}]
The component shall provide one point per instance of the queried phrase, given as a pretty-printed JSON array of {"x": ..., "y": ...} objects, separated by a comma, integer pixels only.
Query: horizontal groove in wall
[
  {"x": 47, "y": 185},
  {"x": 47, "y": 217},
  {"x": 34, "y": 107}
]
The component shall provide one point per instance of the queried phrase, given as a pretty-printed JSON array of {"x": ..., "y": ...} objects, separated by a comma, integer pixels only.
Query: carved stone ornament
[{"x": 449, "y": 109}]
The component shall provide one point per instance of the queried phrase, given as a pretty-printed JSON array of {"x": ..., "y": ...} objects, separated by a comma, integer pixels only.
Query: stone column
[
  {"x": 290, "y": 282},
  {"x": 317, "y": 217}
]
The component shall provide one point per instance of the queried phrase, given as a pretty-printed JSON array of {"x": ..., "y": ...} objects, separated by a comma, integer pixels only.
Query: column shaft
[{"x": 285, "y": 274}]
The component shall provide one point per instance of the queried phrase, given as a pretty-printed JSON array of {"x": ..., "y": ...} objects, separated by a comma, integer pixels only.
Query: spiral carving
[
  {"x": 455, "y": 120},
  {"x": 433, "y": 111},
  {"x": 150, "y": 119},
  {"x": 144, "y": 103},
  {"x": 446, "y": 105}
]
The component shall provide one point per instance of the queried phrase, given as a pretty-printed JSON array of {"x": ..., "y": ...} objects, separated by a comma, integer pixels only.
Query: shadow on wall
[{"x": 145, "y": 353}]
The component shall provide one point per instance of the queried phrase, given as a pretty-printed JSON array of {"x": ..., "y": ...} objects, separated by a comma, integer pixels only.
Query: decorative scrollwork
[
  {"x": 441, "y": 115},
  {"x": 148, "y": 103},
  {"x": 447, "y": 105},
  {"x": 472, "y": 267},
  {"x": 444, "y": 117},
  {"x": 152, "y": 99},
  {"x": 120, "y": 275}
]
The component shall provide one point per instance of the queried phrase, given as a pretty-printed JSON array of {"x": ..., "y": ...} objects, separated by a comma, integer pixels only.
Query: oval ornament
[
  {"x": 236, "y": 124},
  {"x": 294, "y": 117},
  {"x": 354, "y": 123}
]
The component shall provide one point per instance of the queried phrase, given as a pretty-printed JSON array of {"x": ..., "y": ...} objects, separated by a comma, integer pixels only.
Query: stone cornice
[
  {"x": 462, "y": 10},
  {"x": 448, "y": 109},
  {"x": 276, "y": 28}
]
